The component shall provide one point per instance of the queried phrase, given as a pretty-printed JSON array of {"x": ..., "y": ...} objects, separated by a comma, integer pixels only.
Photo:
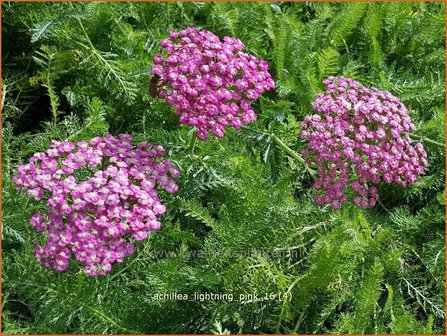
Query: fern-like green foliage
[{"x": 244, "y": 221}]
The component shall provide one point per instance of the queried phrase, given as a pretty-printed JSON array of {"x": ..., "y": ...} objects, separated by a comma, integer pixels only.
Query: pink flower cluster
[
  {"x": 211, "y": 83},
  {"x": 97, "y": 193},
  {"x": 359, "y": 137}
]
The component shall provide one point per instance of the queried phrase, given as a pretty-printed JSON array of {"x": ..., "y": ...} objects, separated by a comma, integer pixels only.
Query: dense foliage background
[{"x": 72, "y": 71}]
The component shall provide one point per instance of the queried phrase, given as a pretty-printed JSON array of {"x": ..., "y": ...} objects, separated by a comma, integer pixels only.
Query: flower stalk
[
  {"x": 192, "y": 142},
  {"x": 286, "y": 148},
  {"x": 427, "y": 140},
  {"x": 293, "y": 154}
]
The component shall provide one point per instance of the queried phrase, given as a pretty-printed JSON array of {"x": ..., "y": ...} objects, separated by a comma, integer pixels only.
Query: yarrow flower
[
  {"x": 211, "y": 83},
  {"x": 98, "y": 194},
  {"x": 359, "y": 137}
]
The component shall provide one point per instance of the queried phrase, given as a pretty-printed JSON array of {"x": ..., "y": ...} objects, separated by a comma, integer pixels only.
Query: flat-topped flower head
[
  {"x": 98, "y": 194},
  {"x": 359, "y": 137},
  {"x": 211, "y": 83}
]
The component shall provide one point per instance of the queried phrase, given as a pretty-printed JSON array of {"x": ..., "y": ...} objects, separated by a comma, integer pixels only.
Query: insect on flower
[{"x": 154, "y": 85}]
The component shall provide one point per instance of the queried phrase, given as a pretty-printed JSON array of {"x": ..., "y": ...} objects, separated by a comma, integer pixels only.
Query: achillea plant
[
  {"x": 211, "y": 83},
  {"x": 97, "y": 193},
  {"x": 359, "y": 137}
]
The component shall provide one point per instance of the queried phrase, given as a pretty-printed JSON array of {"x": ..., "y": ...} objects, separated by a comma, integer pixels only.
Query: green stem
[
  {"x": 192, "y": 142},
  {"x": 383, "y": 206},
  {"x": 289, "y": 150},
  {"x": 298, "y": 323},
  {"x": 142, "y": 253},
  {"x": 427, "y": 140},
  {"x": 293, "y": 154}
]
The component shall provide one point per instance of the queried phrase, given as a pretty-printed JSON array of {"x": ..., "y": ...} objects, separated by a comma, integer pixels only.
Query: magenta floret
[
  {"x": 359, "y": 137},
  {"x": 211, "y": 83},
  {"x": 97, "y": 193}
]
